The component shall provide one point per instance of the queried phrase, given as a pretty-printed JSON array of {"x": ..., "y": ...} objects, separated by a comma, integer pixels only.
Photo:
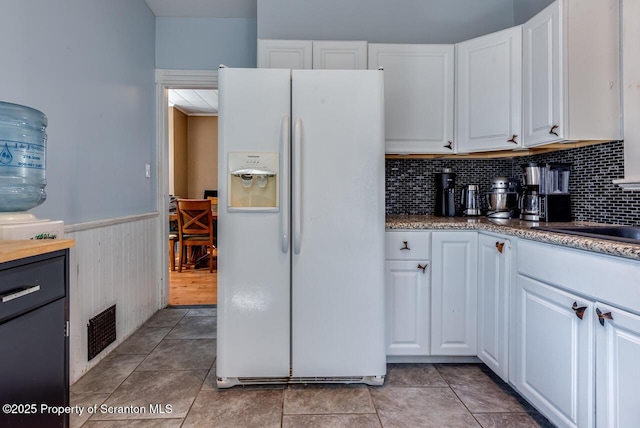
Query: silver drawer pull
[{"x": 22, "y": 291}]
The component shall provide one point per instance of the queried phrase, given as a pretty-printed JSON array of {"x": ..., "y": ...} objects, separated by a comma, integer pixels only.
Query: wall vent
[{"x": 101, "y": 331}]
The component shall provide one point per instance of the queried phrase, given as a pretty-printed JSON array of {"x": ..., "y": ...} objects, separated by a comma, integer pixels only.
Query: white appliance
[{"x": 301, "y": 281}]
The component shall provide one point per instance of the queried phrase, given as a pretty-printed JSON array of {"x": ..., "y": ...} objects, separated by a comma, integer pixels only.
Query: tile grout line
[{"x": 138, "y": 365}]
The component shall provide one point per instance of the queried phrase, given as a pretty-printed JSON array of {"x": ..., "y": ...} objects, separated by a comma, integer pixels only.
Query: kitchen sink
[{"x": 629, "y": 234}]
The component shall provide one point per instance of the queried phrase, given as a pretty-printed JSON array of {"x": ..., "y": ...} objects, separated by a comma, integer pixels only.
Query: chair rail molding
[{"x": 171, "y": 79}]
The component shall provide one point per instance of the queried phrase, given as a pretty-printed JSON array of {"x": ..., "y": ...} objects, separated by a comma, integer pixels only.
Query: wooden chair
[
  {"x": 173, "y": 238},
  {"x": 195, "y": 228},
  {"x": 214, "y": 208}
]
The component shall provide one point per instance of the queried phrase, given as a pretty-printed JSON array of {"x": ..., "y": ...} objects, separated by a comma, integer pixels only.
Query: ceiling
[
  {"x": 195, "y": 102},
  {"x": 203, "y": 8}
]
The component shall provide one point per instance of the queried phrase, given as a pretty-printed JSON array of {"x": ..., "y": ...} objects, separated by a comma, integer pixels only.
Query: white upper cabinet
[
  {"x": 418, "y": 92},
  {"x": 488, "y": 92},
  {"x": 571, "y": 77},
  {"x": 294, "y": 54},
  {"x": 339, "y": 55},
  {"x": 631, "y": 94},
  {"x": 311, "y": 54}
]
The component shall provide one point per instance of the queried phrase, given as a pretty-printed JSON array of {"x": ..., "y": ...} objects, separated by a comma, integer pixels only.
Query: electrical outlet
[{"x": 147, "y": 171}]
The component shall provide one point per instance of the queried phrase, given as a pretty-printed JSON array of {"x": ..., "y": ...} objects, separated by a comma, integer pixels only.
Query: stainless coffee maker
[
  {"x": 546, "y": 192},
  {"x": 530, "y": 199}
]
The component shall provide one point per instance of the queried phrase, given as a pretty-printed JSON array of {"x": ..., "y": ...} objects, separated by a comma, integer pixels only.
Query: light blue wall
[
  {"x": 89, "y": 66},
  {"x": 525, "y": 9},
  {"x": 380, "y": 21},
  {"x": 205, "y": 43}
]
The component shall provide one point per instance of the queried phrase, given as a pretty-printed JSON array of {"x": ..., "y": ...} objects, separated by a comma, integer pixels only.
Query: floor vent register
[{"x": 101, "y": 331}]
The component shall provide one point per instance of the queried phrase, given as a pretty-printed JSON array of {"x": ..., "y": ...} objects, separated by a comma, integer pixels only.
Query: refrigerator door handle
[
  {"x": 285, "y": 146},
  {"x": 297, "y": 185}
]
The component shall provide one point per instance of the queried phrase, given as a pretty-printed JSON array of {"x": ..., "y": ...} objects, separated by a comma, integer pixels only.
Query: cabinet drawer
[
  {"x": 403, "y": 245},
  {"x": 613, "y": 280},
  {"x": 29, "y": 286}
]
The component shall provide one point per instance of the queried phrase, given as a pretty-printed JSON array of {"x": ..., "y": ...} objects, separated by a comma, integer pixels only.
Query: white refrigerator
[{"x": 300, "y": 269}]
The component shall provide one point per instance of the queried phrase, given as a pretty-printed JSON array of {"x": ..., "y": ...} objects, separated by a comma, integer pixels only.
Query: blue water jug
[{"x": 22, "y": 157}]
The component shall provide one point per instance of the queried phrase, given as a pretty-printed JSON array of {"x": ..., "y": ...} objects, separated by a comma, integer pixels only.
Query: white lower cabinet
[
  {"x": 408, "y": 292},
  {"x": 559, "y": 324},
  {"x": 494, "y": 280},
  {"x": 408, "y": 295},
  {"x": 554, "y": 352},
  {"x": 575, "y": 336},
  {"x": 431, "y": 291},
  {"x": 617, "y": 374},
  {"x": 454, "y": 293}
]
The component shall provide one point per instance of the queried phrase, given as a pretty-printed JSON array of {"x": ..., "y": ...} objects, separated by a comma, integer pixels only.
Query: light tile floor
[{"x": 170, "y": 361}]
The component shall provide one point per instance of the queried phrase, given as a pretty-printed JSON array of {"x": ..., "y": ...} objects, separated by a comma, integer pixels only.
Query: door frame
[{"x": 170, "y": 79}]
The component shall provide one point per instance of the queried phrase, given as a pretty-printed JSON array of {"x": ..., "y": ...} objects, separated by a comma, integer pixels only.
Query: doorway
[{"x": 193, "y": 286}]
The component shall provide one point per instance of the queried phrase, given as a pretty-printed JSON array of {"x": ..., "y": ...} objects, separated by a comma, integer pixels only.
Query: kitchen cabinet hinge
[{"x": 66, "y": 329}]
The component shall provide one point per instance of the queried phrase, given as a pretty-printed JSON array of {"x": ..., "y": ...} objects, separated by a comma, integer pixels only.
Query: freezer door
[
  {"x": 338, "y": 223},
  {"x": 253, "y": 247}
]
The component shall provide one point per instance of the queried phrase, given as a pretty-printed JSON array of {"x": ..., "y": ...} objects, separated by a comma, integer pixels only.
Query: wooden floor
[{"x": 193, "y": 287}]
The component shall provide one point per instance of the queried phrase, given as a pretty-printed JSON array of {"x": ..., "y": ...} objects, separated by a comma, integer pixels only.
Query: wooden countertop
[{"x": 20, "y": 249}]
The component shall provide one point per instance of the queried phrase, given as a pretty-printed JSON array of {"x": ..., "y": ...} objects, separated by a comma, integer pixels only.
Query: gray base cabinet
[{"x": 34, "y": 341}]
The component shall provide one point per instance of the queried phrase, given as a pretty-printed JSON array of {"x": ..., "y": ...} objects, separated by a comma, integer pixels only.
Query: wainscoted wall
[
  {"x": 113, "y": 262},
  {"x": 410, "y": 183}
]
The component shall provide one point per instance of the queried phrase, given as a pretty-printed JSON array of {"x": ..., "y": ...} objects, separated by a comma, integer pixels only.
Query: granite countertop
[{"x": 517, "y": 228}]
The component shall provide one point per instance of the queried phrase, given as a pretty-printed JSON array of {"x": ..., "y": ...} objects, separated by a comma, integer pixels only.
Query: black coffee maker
[{"x": 445, "y": 193}]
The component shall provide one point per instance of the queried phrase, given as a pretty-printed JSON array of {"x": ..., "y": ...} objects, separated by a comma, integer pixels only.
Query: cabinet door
[
  {"x": 543, "y": 87},
  {"x": 418, "y": 96},
  {"x": 554, "y": 352},
  {"x": 488, "y": 88},
  {"x": 34, "y": 366},
  {"x": 407, "y": 295},
  {"x": 294, "y": 54},
  {"x": 617, "y": 375},
  {"x": 454, "y": 297},
  {"x": 494, "y": 273},
  {"x": 339, "y": 55}
]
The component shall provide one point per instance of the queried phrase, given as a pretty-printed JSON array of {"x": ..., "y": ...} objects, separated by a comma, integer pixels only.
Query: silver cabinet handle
[{"x": 19, "y": 292}]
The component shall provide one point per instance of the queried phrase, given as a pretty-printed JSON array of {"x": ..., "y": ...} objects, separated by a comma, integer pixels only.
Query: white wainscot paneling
[{"x": 113, "y": 262}]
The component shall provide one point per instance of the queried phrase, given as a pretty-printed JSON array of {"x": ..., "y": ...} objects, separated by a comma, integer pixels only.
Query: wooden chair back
[
  {"x": 194, "y": 217},
  {"x": 195, "y": 227}
]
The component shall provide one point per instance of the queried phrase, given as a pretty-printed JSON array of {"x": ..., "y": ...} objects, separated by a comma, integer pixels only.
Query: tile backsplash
[{"x": 410, "y": 183}]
